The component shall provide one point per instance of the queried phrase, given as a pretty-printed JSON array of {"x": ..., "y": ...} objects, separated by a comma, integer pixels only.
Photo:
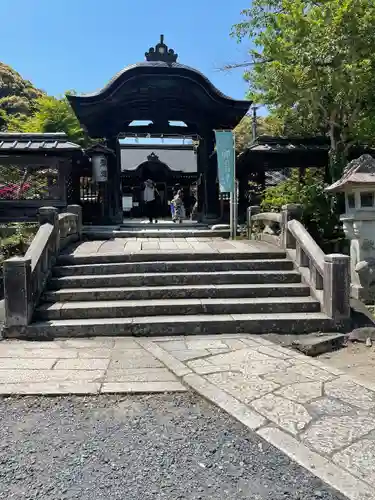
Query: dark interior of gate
[{"x": 175, "y": 101}]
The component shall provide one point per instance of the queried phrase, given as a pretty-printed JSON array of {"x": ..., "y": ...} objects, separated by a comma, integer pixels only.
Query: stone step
[
  {"x": 145, "y": 224},
  {"x": 177, "y": 232},
  {"x": 160, "y": 255},
  {"x": 174, "y": 266},
  {"x": 178, "y": 325},
  {"x": 167, "y": 307},
  {"x": 178, "y": 292},
  {"x": 166, "y": 279}
]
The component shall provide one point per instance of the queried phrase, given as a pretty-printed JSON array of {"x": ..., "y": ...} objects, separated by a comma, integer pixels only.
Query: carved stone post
[
  {"x": 76, "y": 210},
  {"x": 288, "y": 212},
  {"x": 50, "y": 215},
  {"x": 254, "y": 210},
  {"x": 336, "y": 291},
  {"x": 17, "y": 292}
]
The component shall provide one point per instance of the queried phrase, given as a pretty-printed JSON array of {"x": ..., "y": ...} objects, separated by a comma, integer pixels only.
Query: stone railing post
[
  {"x": 288, "y": 212},
  {"x": 336, "y": 289},
  {"x": 76, "y": 210},
  {"x": 253, "y": 210},
  {"x": 17, "y": 292},
  {"x": 50, "y": 215}
]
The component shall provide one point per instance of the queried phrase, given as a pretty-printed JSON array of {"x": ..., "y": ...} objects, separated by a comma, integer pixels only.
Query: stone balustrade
[
  {"x": 25, "y": 277},
  {"x": 327, "y": 275}
]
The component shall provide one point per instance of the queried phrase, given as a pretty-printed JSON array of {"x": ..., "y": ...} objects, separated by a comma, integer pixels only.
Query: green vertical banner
[{"x": 225, "y": 150}]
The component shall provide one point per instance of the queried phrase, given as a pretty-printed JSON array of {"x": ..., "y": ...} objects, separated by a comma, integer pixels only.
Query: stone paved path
[
  {"x": 316, "y": 414},
  {"x": 183, "y": 245}
]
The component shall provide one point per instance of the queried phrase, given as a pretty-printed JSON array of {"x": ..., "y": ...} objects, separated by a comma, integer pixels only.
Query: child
[{"x": 177, "y": 207}]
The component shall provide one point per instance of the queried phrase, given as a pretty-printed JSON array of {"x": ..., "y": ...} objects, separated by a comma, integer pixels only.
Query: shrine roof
[
  {"x": 31, "y": 142},
  {"x": 158, "y": 89},
  {"x": 279, "y": 144},
  {"x": 360, "y": 171}
]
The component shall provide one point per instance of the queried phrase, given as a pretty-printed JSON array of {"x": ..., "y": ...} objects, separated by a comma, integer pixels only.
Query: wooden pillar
[
  {"x": 211, "y": 189},
  {"x": 200, "y": 181},
  {"x": 113, "y": 196}
]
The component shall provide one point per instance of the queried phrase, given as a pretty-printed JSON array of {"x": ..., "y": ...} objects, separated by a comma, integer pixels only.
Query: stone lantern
[{"x": 358, "y": 185}]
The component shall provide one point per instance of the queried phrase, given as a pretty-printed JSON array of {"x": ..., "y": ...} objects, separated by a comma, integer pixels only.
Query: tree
[
  {"x": 244, "y": 131},
  {"x": 17, "y": 96},
  {"x": 51, "y": 115},
  {"x": 314, "y": 60}
]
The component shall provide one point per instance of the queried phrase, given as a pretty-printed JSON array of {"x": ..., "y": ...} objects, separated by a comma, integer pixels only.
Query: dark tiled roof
[
  {"x": 25, "y": 142},
  {"x": 288, "y": 144},
  {"x": 360, "y": 171}
]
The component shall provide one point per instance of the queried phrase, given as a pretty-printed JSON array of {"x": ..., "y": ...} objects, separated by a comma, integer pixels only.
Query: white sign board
[{"x": 99, "y": 168}]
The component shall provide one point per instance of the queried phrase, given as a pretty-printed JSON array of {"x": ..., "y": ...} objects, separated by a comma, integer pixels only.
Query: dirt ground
[{"x": 355, "y": 359}]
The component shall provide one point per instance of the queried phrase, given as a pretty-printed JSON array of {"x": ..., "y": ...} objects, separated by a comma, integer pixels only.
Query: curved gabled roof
[
  {"x": 125, "y": 73},
  {"x": 158, "y": 89}
]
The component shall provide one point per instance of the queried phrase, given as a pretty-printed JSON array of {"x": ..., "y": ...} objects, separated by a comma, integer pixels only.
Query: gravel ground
[{"x": 138, "y": 448}]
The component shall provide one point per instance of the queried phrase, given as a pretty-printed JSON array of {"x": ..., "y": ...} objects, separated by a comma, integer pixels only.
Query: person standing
[
  {"x": 178, "y": 207},
  {"x": 149, "y": 198}
]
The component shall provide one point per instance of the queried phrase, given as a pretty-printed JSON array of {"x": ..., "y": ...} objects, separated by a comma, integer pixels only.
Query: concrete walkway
[{"x": 319, "y": 416}]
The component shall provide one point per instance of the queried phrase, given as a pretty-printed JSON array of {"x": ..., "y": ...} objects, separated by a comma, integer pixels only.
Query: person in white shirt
[{"x": 149, "y": 198}]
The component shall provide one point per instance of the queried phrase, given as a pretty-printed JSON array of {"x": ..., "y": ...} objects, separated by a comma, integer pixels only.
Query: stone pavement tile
[
  {"x": 359, "y": 459},
  {"x": 219, "y": 351},
  {"x": 151, "y": 245},
  {"x": 188, "y": 354},
  {"x": 82, "y": 364},
  {"x": 245, "y": 389},
  {"x": 29, "y": 376},
  {"x": 329, "y": 406},
  {"x": 89, "y": 343},
  {"x": 140, "y": 375},
  {"x": 173, "y": 345},
  {"x": 142, "y": 387},
  {"x": 98, "y": 352},
  {"x": 344, "y": 389},
  {"x": 17, "y": 352},
  {"x": 133, "y": 359},
  {"x": 30, "y": 344},
  {"x": 238, "y": 410},
  {"x": 26, "y": 363},
  {"x": 310, "y": 371},
  {"x": 50, "y": 388},
  {"x": 335, "y": 476},
  {"x": 302, "y": 392},
  {"x": 250, "y": 342},
  {"x": 291, "y": 416},
  {"x": 239, "y": 357},
  {"x": 125, "y": 343},
  {"x": 275, "y": 353},
  {"x": 284, "y": 376},
  {"x": 204, "y": 367},
  {"x": 168, "y": 245},
  {"x": 330, "y": 433},
  {"x": 88, "y": 247},
  {"x": 235, "y": 344},
  {"x": 165, "y": 358}
]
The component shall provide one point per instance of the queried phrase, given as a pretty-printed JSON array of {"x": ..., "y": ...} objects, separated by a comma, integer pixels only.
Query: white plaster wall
[{"x": 184, "y": 160}]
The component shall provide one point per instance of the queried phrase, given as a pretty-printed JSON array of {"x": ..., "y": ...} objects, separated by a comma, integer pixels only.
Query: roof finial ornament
[{"x": 161, "y": 53}]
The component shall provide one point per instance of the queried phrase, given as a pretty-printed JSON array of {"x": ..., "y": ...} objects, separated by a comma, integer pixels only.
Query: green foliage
[
  {"x": 17, "y": 96},
  {"x": 244, "y": 131},
  {"x": 51, "y": 115},
  {"x": 314, "y": 65},
  {"x": 319, "y": 208},
  {"x": 18, "y": 242}
]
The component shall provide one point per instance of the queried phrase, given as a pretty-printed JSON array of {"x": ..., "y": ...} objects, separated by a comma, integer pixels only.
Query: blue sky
[{"x": 81, "y": 44}]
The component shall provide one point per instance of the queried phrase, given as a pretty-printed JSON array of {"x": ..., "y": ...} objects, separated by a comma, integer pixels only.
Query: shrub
[{"x": 320, "y": 213}]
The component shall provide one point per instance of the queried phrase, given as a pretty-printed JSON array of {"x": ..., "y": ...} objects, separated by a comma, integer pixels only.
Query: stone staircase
[{"x": 165, "y": 293}]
